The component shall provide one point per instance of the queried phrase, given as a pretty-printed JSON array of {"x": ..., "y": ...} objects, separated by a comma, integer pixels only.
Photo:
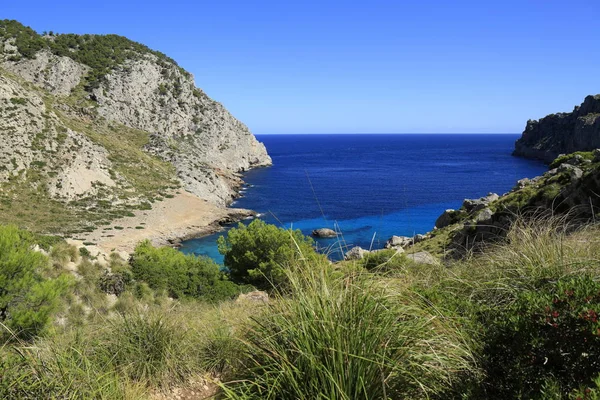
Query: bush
[
  {"x": 258, "y": 253},
  {"x": 27, "y": 297},
  {"x": 181, "y": 275},
  {"x": 551, "y": 332},
  {"x": 349, "y": 338}
]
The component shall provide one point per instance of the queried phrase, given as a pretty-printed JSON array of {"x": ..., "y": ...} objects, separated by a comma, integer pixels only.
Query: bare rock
[
  {"x": 423, "y": 257},
  {"x": 256, "y": 296},
  {"x": 474, "y": 205},
  {"x": 484, "y": 215},
  {"x": 324, "y": 233},
  {"x": 445, "y": 219},
  {"x": 398, "y": 241},
  {"x": 356, "y": 253}
]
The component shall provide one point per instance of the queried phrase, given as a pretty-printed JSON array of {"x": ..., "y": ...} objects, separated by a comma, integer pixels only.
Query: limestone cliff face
[
  {"x": 64, "y": 108},
  {"x": 562, "y": 133},
  {"x": 204, "y": 142}
]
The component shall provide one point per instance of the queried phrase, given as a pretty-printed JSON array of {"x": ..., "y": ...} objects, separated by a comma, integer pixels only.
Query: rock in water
[{"x": 324, "y": 233}]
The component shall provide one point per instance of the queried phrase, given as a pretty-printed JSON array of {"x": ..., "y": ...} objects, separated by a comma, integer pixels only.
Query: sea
[{"x": 372, "y": 186}]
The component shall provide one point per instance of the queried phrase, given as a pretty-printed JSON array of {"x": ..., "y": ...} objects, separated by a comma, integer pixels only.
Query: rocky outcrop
[
  {"x": 204, "y": 142},
  {"x": 570, "y": 189},
  {"x": 562, "y": 133},
  {"x": 356, "y": 253}
]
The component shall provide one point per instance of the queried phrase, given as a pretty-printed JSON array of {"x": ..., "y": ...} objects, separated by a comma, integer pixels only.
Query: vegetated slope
[
  {"x": 94, "y": 126},
  {"x": 562, "y": 133}
]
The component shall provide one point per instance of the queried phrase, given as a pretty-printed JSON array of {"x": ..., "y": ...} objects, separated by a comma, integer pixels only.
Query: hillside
[
  {"x": 562, "y": 133},
  {"x": 95, "y": 127}
]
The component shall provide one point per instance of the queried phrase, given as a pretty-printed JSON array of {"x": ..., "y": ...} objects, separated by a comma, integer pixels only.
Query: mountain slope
[{"x": 94, "y": 127}]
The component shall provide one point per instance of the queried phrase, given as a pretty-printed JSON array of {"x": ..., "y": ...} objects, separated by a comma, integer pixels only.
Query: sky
[{"x": 349, "y": 66}]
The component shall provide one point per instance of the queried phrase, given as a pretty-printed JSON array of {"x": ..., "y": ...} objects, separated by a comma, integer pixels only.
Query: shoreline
[{"x": 168, "y": 223}]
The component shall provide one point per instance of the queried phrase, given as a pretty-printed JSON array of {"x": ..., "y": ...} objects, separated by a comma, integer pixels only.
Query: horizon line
[{"x": 392, "y": 133}]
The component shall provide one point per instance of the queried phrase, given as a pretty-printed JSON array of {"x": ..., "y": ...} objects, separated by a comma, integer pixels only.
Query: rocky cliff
[
  {"x": 562, "y": 133},
  {"x": 94, "y": 123}
]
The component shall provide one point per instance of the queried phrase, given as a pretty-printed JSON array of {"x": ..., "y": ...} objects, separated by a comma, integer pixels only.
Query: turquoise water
[{"x": 373, "y": 186}]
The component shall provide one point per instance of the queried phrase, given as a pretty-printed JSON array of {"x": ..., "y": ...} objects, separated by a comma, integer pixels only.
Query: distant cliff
[
  {"x": 562, "y": 133},
  {"x": 99, "y": 123}
]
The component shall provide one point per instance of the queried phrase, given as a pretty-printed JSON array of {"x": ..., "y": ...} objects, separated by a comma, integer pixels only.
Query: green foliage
[
  {"x": 348, "y": 338},
  {"x": 383, "y": 260},
  {"x": 102, "y": 53},
  {"x": 148, "y": 348},
  {"x": 181, "y": 275},
  {"x": 550, "y": 332},
  {"x": 18, "y": 101},
  {"x": 587, "y": 155},
  {"x": 27, "y": 297},
  {"x": 259, "y": 253}
]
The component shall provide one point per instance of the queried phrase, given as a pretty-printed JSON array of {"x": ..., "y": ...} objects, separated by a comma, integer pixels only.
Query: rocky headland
[
  {"x": 562, "y": 133},
  {"x": 570, "y": 144},
  {"x": 97, "y": 128}
]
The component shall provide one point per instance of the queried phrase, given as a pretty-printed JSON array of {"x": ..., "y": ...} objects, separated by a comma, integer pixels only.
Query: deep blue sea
[{"x": 373, "y": 186}]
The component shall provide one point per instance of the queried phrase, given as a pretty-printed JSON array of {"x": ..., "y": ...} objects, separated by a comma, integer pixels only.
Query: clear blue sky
[{"x": 361, "y": 66}]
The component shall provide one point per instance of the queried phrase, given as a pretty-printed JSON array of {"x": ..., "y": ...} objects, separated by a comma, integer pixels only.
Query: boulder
[
  {"x": 473, "y": 205},
  {"x": 575, "y": 174},
  {"x": 324, "y": 233},
  {"x": 256, "y": 296},
  {"x": 356, "y": 253},
  {"x": 398, "y": 241},
  {"x": 484, "y": 215},
  {"x": 423, "y": 257},
  {"x": 419, "y": 238},
  {"x": 596, "y": 154},
  {"x": 445, "y": 219}
]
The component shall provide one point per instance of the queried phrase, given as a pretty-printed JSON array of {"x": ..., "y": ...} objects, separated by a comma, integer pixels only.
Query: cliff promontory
[
  {"x": 93, "y": 127},
  {"x": 562, "y": 133}
]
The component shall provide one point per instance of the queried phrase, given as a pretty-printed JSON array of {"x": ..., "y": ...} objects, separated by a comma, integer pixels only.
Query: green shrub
[
  {"x": 551, "y": 332},
  {"x": 383, "y": 260},
  {"x": 349, "y": 338},
  {"x": 84, "y": 252},
  {"x": 587, "y": 155},
  {"x": 149, "y": 348},
  {"x": 181, "y": 275},
  {"x": 259, "y": 253},
  {"x": 27, "y": 297}
]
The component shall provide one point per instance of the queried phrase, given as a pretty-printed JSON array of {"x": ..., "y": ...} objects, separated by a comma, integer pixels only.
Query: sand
[{"x": 182, "y": 217}]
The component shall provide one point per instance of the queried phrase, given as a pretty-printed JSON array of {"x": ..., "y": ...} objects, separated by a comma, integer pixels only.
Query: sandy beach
[{"x": 182, "y": 217}]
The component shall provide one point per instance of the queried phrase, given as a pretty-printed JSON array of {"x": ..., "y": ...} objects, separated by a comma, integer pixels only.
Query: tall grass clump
[
  {"x": 150, "y": 348},
  {"x": 62, "y": 368},
  {"x": 535, "y": 250},
  {"x": 534, "y": 300},
  {"x": 349, "y": 338}
]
